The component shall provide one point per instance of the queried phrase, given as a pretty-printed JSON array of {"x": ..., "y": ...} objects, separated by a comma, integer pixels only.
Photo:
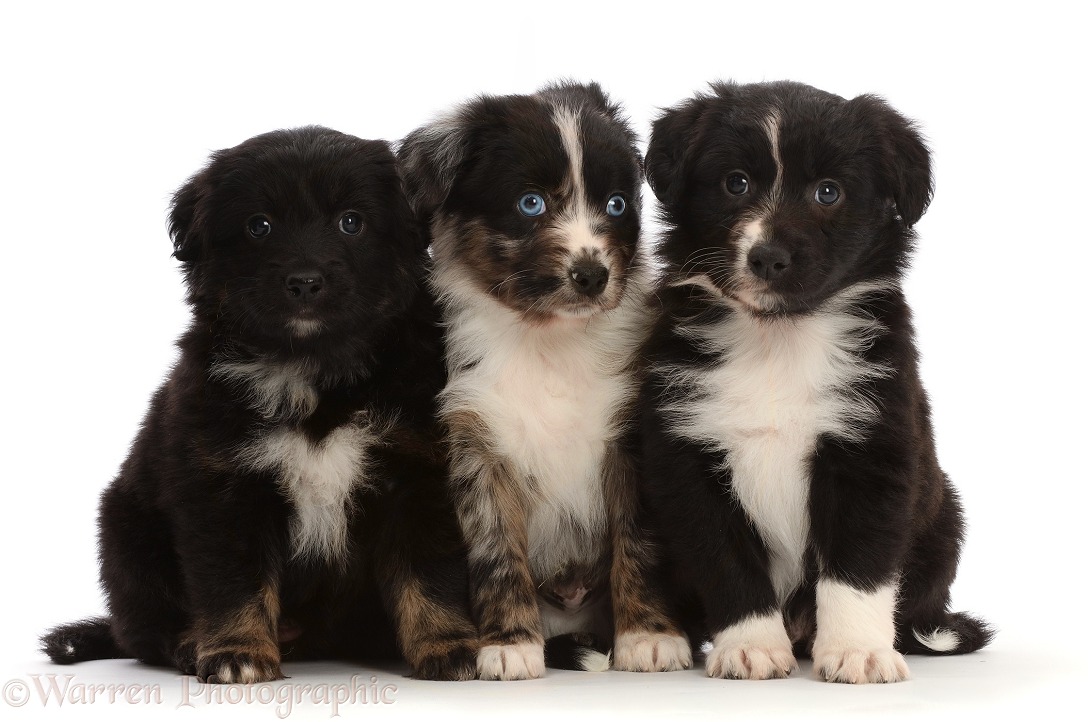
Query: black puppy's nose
[
  {"x": 589, "y": 277},
  {"x": 768, "y": 261},
  {"x": 304, "y": 286}
]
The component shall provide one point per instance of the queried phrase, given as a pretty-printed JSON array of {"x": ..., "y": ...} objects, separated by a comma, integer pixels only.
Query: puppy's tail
[
  {"x": 957, "y": 633},
  {"x": 580, "y": 651},
  {"x": 81, "y": 641}
]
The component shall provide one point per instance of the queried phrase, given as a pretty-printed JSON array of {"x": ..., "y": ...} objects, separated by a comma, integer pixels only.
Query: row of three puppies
[{"x": 533, "y": 207}]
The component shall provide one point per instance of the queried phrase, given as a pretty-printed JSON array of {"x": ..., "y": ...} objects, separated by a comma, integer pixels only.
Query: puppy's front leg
[
  {"x": 233, "y": 639},
  {"x": 230, "y": 570},
  {"x": 647, "y": 638},
  {"x": 860, "y": 539},
  {"x": 492, "y": 511},
  {"x": 422, "y": 568}
]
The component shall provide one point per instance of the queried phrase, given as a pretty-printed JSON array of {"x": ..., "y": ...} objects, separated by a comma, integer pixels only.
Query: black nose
[
  {"x": 769, "y": 262},
  {"x": 304, "y": 286},
  {"x": 589, "y": 278}
]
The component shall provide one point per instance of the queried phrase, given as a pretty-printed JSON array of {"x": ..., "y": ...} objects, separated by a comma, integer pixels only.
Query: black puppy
[
  {"x": 283, "y": 497},
  {"x": 789, "y": 455}
]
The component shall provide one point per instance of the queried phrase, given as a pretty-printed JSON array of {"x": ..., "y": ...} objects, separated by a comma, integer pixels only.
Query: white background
[{"x": 106, "y": 108}]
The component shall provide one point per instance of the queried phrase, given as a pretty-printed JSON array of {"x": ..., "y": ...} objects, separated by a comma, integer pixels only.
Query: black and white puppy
[
  {"x": 790, "y": 460},
  {"x": 533, "y": 206},
  {"x": 283, "y": 498}
]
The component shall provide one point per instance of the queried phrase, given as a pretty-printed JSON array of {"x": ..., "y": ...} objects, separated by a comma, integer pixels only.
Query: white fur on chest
[
  {"x": 782, "y": 384},
  {"x": 549, "y": 396},
  {"x": 318, "y": 478}
]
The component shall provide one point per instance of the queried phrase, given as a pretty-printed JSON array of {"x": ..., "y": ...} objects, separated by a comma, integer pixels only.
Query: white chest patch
[
  {"x": 318, "y": 478},
  {"x": 549, "y": 396},
  {"x": 273, "y": 389},
  {"x": 782, "y": 384}
]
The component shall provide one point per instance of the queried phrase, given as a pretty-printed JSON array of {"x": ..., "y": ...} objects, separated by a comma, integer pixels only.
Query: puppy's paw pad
[
  {"x": 651, "y": 652},
  {"x": 858, "y": 666},
  {"x": 511, "y": 661},
  {"x": 750, "y": 662},
  {"x": 237, "y": 668}
]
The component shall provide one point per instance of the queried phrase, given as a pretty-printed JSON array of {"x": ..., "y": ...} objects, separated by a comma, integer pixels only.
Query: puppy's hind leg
[
  {"x": 924, "y": 625},
  {"x": 142, "y": 581}
]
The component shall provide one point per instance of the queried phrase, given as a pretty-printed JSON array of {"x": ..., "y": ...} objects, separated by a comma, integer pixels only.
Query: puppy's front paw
[
  {"x": 651, "y": 652},
  {"x": 750, "y": 662},
  {"x": 511, "y": 661},
  {"x": 238, "y": 667},
  {"x": 455, "y": 662},
  {"x": 755, "y": 648},
  {"x": 853, "y": 665}
]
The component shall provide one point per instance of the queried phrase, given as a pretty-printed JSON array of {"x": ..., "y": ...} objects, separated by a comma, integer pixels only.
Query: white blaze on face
[
  {"x": 577, "y": 221},
  {"x": 757, "y": 230},
  {"x": 751, "y": 234},
  {"x": 770, "y": 125}
]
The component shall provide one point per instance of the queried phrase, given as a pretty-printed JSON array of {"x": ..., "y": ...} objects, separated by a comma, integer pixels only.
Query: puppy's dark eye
[
  {"x": 531, "y": 204},
  {"x": 616, "y": 206},
  {"x": 827, "y": 193},
  {"x": 736, "y": 184},
  {"x": 351, "y": 223},
  {"x": 258, "y": 226}
]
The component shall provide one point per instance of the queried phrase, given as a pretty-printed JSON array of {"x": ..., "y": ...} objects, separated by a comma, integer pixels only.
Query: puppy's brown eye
[
  {"x": 736, "y": 184},
  {"x": 258, "y": 226},
  {"x": 827, "y": 193},
  {"x": 351, "y": 223}
]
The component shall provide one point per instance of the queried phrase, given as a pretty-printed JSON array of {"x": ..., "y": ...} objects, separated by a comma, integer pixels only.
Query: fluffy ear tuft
[
  {"x": 672, "y": 145},
  {"x": 429, "y": 157},
  {"x": 906, "y": 157}
]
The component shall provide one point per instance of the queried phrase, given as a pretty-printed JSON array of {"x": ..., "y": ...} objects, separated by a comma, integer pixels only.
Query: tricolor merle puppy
[
  {"x": 283, "y": 498},
  {"x": 533, "y": 206},
  {"x": 790, "y": 460}
]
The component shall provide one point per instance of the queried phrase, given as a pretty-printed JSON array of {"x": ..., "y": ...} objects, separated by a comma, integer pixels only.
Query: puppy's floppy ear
[
  {"x": 671, "y": 148},
  {"x": 186, "y": 222},
  {"x": 905, "y": 156},
  {"x": 429, "y": 157}
]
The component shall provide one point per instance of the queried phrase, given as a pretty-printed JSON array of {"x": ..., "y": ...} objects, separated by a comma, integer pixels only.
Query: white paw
[
  {"x": 855, "y": 634},
  {"x": 750, "y": 662},
  {"x": 511, "y": 661},
  {"x": 756, "y": 648},
  {"x": 858, "y": 666},
  {"x": 648, "y": 652}
]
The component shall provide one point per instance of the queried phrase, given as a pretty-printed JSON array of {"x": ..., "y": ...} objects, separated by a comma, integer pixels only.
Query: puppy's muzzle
[
  {"x": 589, "y": 278},
  {"x": 304, "y": 286}
]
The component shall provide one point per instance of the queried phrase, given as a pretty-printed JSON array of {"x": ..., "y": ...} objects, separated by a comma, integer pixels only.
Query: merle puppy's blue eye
[
  {"x": 616, "y": 206},
  {"x": 827, "y": 193},
  {"x": 258, "y": 226},
  {"x": 531, "y": 204}
]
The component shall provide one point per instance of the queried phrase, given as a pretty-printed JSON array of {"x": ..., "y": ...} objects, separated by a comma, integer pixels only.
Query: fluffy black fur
[
  {"x": 302, "y": 405},
  {"x": 789, "y": 214}
]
